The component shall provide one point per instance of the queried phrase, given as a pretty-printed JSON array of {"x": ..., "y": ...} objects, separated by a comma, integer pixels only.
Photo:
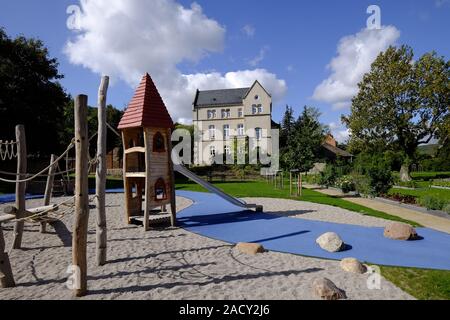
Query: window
[
  {"x": 240, "y": 129},
  {"x": 160, "y": 190},
  {"x": 158, "y": 143},
  {"x": 228, "y": 113},
  {"x": 260, "y": 108},
  {"x": 254, "y": 109},
  {"x": 258, "y": 132},
  {"x": 240, "y": 114},
  {"x": 211, "y": 114},
  {"x": 212, "y": 132},
  {"x": 256, "y": 97},
  {"x": 223, "y": 113},
  {"x": 227, "y": 150},
  {"x": 241, "y": 149},
  {"x": 212, "y": 151},
  {"x": 226, "y": 131}
]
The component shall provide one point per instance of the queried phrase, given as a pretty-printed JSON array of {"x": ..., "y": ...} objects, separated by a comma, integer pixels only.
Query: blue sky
[{"x": 288, "y": 43}]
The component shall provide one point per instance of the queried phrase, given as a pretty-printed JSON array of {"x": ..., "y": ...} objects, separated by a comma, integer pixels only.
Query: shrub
[
  {"x": 447, "y": 208},
  {"x": 329, "y": 176},
  {"x": 311, "y": 178},
  {"x": 402, "y": 198},
  {"x": 361, "y": 183},
  {"x": 441, "y": 183},
  {"x": 346, "y": 184},
  {"x": 432, "y": 203},
  {"x": 380, "y": 177}
]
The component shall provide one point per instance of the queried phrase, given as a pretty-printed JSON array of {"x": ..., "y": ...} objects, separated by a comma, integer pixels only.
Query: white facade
[{"x": 219, "y": 124}]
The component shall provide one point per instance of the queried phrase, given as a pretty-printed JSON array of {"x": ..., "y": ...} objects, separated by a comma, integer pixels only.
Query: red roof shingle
[{"x": 147, "y": 108}]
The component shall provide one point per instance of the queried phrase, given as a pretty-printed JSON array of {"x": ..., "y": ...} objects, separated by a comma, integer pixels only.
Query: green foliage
[
  {"x": 446, "y": 208},
  {"x": 380, "y": 177},
  {"x": 432, "y": 203},
  {"x": 30, "y": 93},
  {"x": 362, "y": 184},
  {"x": 441, "y": 183},
  {"x": 401, "y": 103},
  {"x": 346, "y": 184},
  {"x": 303, "y": 139},
  {"x": 329, "y": 176},
  {"x": 407, "y": 184}
]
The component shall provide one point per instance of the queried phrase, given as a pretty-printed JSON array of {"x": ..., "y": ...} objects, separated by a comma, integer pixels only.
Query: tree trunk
[{"x": 404, "y": 173}]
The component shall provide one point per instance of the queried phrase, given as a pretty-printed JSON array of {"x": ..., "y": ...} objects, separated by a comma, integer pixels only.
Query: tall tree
[
  {"x": 304, "y": 142},
  {"x": 401, "y": 104},
  {"x": 30, "y": 93},
  {"x": 286, "y": 126}
]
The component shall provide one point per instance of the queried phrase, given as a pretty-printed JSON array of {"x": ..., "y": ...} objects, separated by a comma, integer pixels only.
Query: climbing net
[{"x": 8, "y": 150}]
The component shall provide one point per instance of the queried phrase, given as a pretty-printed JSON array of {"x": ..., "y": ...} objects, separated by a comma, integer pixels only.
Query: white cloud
[
  {"x": 339, "y": 132},
  {"x": 248, "y": 30},
  {"x": 125, "y": 39},
  {"x": 260, "y": 57},
  {"x": 355, "y": 54}
]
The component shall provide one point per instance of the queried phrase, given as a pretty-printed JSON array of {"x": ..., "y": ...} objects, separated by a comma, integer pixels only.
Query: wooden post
[
  {"x": 80, "y": 228},
  {"x": 147, "y": 144},
  {"x": 126, "y": 184},
  {"x": 290, "y": 183},
  {"x": 173, "y": 204},
  {"x": 6, "y": 275},
  {"x": 100, "y": 177},
  {"x": 300, "y": 184},
  {"x": 49, "y": 189},
  {"x": 20, "y": 186}
]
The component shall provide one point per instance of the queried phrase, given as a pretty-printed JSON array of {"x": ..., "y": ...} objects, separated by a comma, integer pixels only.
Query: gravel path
[
  {"x": 170, "y": 264},
  {"x": 314, "y": 211}
]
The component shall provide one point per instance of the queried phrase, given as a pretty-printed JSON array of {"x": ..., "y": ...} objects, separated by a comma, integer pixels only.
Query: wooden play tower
[{"x": 146, "y": 128}]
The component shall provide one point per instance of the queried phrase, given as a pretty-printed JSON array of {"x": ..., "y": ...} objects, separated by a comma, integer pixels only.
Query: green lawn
[
  {"x": 423, "y": 284},
  {"x": 263, "y": 189}
]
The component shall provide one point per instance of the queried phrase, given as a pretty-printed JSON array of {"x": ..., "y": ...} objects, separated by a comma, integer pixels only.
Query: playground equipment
[{"x": 147, "y": 167}]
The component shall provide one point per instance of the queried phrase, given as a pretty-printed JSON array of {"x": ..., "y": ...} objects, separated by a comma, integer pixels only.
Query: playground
[{"x": 151, "y": 241}]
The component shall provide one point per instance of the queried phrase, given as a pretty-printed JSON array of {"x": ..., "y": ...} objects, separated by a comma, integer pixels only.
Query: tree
[
  {"x": 30, "y": 93},
  {"x": 304, "y": 141},
  {"x": 401, "y": 104},
  {"x": 286, "y": 126}
]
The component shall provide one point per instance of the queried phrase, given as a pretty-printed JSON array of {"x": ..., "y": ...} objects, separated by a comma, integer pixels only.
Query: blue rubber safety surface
[{"x": 213, "y": 217}]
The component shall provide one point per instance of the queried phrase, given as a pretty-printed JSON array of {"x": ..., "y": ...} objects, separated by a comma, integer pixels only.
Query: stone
[
  {"x": 400, "y": 231},
  {"x": 325, "y": 289},
  {"x": 353, "y": 265},
  {"x": 330, "y": 242},
  {"x": 250, "y": 248}
]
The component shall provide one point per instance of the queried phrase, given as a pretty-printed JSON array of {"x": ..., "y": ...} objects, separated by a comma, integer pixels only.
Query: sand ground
[{"x": 172, "y": 263}]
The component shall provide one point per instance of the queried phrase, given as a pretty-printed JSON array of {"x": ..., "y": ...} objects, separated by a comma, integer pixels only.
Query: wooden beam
[
  {"x": 20, "y": 186},
  {"x": 49, "y": 189},
  {"x": 147, "y": 206},
  {"x": 29, "y": 212},
  {"x": 80, "y": 228},
  {"x": 100, "y": 177},
  {"x": 173, "y": 203},
  {"x": 6, "y": 275}
]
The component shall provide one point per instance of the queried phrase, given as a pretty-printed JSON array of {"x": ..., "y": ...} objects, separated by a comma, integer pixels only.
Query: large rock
[
  {"x": 400, "y": 231},
  {"x": 330, "y": 242},
  {"x": 325, "y": 289},
  {"x": 353, "y": 265},
  {"x": 250, "y": 248}
]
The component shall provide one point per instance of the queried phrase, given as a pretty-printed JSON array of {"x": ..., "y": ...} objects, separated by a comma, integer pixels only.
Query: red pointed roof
[{"x": 147, "y": 108}]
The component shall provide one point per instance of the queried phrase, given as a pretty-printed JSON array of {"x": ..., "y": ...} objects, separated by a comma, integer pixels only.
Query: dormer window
[
  {"x": 158, "y": 143},
  {"x": 160, "y": 190}
]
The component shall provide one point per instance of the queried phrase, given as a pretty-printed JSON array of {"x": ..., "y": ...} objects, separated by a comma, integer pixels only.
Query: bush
[
  {"x": 432, "y": 203},
  {"x": 329, "y": 176},
  {"x": 447, "y": 208},
  {"x": 361, "y": 183},
  {"x": 402, "y": 198},
  {"x": 441, "y": 183},
  {"x": 311, "y": 178},
  {"x": 346, "y": 184},
  {"x": 380, "y": 177}
]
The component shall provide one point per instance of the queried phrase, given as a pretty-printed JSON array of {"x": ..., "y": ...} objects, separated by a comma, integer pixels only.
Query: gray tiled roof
[{"x": 220, "y": 97}]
